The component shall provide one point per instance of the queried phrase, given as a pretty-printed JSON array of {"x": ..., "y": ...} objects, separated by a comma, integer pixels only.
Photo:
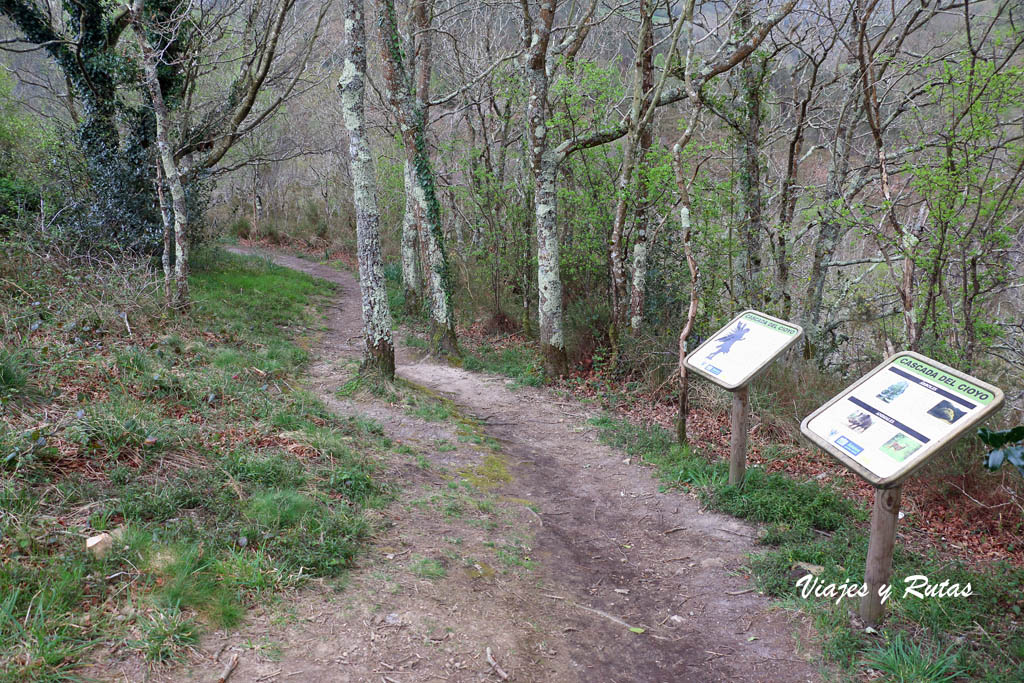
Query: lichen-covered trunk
[
  {"x": 168, "y": 227},
  {"x": 414, "y": 251},
  {"x": 181, "y": 299},
  {"x": 544, "y": 164},
  {"x": 639, "y": 291},
  {"x": 646, "y": 139},
  {"x": 412, "y": 283},
  {"x": 616, "y": 257},
  {"x": 379, "y": 351},
  {"x": 412, "y": 122},
  {"x": 691, "y": 318},
  {"x": 442, "y": 315},
  {"x": 549, "y": 278},
  {"x": 752, "y": 77}
]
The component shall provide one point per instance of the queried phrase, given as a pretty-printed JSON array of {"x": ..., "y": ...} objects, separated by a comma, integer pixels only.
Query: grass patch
[
  {"x": 427, "y": 568},
  {"x": 166, "y": 635},
  {"x": 902, "y": 661},
  {"x": 523, "y": 364},
  {"x": 811, "y": 522},
  {"x": 224, "y": 483},
  {"x": 13, "y": 372}
]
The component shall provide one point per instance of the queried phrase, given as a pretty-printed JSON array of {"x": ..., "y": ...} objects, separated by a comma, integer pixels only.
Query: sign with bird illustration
[
  {"x": 899, "y": 415},
  {"x": 741, "y": 350}
]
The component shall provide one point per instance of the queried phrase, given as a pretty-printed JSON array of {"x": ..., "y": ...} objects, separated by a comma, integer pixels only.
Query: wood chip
[
  {"x": 226, "y": 673},
  {"x": 494, "y": 666}
]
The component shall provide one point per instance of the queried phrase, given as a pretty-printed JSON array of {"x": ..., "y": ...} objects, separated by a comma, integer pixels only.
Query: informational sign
[
  {"x": 738, "y": 352},
  {"x": 898, "y": 415}
]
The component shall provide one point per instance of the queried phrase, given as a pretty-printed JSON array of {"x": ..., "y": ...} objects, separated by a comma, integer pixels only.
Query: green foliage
[
  {"x": 1006, "y": 445},
  {"x": 972, "y": 182}
]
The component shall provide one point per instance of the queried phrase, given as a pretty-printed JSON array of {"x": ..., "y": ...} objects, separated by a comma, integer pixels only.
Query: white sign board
[
  {"x": 742, "y": 349},
  {"x": 898, "y": 415}
]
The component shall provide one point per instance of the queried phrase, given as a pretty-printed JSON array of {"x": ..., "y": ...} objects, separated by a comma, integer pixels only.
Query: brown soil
[{"x": 545, "y": 550}]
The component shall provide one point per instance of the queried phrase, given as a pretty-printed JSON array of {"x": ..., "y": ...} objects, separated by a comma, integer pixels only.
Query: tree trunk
[
  {"x": 788, "y": 198},
  {"x": 833, "y": 222},
  {"x": 380, "y": 351},
  {"x": 645, "y": 140},
  {"x": 544, "y": 164},
  {"x": 751, "y": 75},
  {"x": 181, "y": 297},
  {"x": 412, "y": 283},
  {"x": 412, "y": 121},
  {"x": 686, "y": 225},
  {"x": 168, "y": 227},
  {"x": 412, "y": 224},
  {"x": 549, "y": 278},
  {"x": 616, "y": 255}
]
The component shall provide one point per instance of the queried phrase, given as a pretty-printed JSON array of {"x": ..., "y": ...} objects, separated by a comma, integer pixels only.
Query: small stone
[
  {"x": 100, "y": 544},
  {"x": 676, "y": 618},
  {"x": 712, "y": 563},
  {"x": 815, "y": 569},
  {"x": 626, "y": 461},
  {"x": 392, "y": 619}
]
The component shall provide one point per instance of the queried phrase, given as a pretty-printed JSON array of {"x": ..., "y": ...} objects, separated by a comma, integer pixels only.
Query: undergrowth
[
  {"x": 185, "y": 438},
  {"x": 810, "y": 522}
]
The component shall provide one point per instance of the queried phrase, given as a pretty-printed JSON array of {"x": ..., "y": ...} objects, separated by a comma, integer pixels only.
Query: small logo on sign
[{"x": 849, "y": 446}]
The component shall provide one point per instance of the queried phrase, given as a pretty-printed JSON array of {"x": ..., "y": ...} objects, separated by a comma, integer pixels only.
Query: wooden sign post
[
  {"x": 732, "y": 358},
  {"x": 887, "y": 425}
]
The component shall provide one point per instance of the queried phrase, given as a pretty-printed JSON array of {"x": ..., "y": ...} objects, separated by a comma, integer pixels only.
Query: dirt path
[{"x": 558, "y": 551}]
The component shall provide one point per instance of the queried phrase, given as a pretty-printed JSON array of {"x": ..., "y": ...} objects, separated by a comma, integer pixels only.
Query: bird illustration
[
  {"x": 726, "y": 342},
  {"x": 944, "y": 413}
]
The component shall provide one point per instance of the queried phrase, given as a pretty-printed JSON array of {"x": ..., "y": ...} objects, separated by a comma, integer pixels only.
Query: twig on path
[
  {"x": 730, "y": 531},
  {"x": 748, "y": 590},
  {"x": 226, "y": 673},
  {"x": 675, "y": 529},
  {"x": 494, "y": 666},
  {"x": 600, "y": 613}
]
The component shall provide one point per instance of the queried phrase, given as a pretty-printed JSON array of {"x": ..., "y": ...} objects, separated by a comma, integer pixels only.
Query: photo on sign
[
  {"x": 900, "y": 447},
  {"x": 947, "y": 412},
  {"x": 725, "y": 343},
  {"x": 859, "y": 421},
  {"x": 893, "y": 391}
]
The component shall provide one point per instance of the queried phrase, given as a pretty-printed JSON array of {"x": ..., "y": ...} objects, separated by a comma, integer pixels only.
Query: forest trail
[{"x": 584, "y": 548}]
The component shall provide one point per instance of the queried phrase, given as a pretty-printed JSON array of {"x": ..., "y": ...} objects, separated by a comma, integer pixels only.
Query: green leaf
[
  {"x": 1001, "y": 438},
  {"x": 994, "y": 460},
  {"x": 1015, "y": 454},
  {"x": 636, "y": 629}
]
